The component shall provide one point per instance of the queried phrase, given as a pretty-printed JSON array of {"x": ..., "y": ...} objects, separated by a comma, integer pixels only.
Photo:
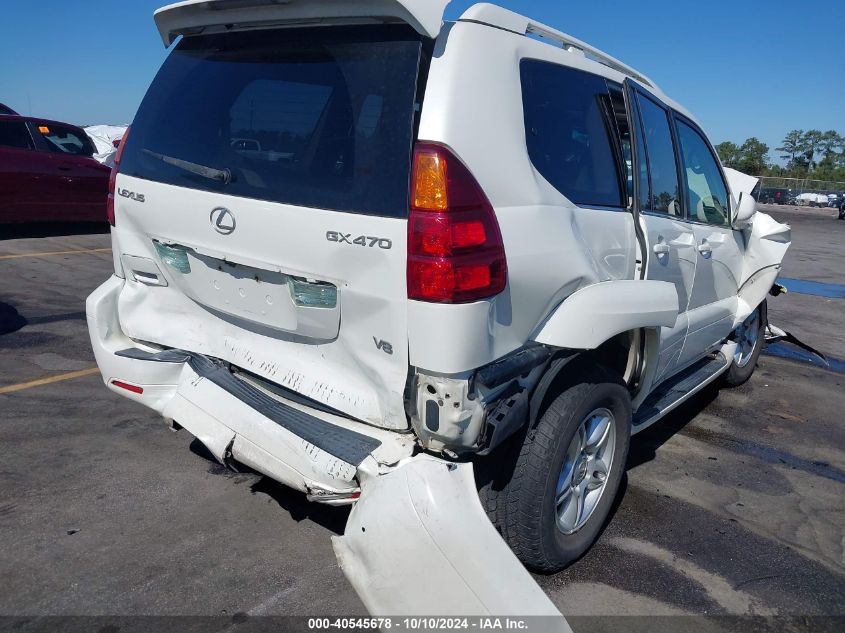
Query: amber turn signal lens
[{"x": 430, "y": 181}]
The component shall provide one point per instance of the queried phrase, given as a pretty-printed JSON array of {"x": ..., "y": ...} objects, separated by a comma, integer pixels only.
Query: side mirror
[{"x": 745, "y": 211}]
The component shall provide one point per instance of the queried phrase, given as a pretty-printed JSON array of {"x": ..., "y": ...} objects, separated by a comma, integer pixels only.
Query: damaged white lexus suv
[{"x": 440, "y": 271}]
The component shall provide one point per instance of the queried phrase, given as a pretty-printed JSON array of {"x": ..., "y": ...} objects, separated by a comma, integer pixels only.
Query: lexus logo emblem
[{"x": 223, "y": 221}]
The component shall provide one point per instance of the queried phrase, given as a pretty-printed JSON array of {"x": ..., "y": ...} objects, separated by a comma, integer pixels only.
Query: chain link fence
[{"x": 800, "y": 191}]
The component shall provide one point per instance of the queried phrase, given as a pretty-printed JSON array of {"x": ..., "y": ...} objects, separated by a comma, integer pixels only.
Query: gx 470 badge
[{"x": 366, "y": 241}]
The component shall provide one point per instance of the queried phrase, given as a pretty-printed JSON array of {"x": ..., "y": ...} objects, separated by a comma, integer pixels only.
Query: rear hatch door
[{"x": 266, "y": 178}]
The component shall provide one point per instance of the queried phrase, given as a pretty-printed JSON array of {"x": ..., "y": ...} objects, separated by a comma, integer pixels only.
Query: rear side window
[
  {"x": 707, "y": 195},
  {"x": 14, "y": 134},
  {"x": 663, "y": 169},
  {"x": 320, "y": 117},
  {"x": 64, "y": 140},
  {"x": 568, "y": 132}
]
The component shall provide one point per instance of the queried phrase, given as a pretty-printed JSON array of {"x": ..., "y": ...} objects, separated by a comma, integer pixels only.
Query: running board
[{"x": 673, "y": 392}]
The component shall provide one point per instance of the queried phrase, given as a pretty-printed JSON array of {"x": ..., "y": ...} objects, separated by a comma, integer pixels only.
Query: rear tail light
[
  {"x": 128, "y": 387},
  {"x": 113, "y": 177},
  {"x": 455, "y": 249}
]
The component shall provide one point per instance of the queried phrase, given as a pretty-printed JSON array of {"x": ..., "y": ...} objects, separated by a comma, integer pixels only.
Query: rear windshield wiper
[{"x": 221, "y": 175}]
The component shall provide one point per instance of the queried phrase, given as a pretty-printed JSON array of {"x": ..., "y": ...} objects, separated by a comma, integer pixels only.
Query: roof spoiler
[{"x": 197, "y": 16}]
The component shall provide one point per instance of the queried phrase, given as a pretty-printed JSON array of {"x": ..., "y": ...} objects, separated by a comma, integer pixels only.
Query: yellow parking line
[
  {"x": 49, "y": 380},
  {"x": 45, "y": 254}
]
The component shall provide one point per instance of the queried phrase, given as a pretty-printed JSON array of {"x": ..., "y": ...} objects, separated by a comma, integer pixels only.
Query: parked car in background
[
  {"x": 811, "y": 199},
  {"x": 4, "y": 109},
  {"x": 106, "y": 139},
  {"x": 47, "y": 173},
  {"x": 834, "y": 200},
  {"x": 773, "y": 195}
]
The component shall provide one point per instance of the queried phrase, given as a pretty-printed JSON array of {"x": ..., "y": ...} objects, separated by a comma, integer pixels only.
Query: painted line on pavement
[
  {"x": 49, "y": 380},
  {"x": 48, "y": 253}
]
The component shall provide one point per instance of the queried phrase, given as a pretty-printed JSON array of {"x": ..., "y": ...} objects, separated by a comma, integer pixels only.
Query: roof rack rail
[{"x": 499, "y": 17}]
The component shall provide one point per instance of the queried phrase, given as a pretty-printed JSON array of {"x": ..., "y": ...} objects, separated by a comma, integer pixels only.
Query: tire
[
  {"x": 842, "y": 214},
  {"x": 526, "y": 511},
  {"x": 743, "y": 365}
]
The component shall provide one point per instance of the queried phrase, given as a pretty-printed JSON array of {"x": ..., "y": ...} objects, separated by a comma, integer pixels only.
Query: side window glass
[
  {"x": 707, "y": 195},
  {"x": 665, "y": 192},
  {"x": 14, "y": 134},
  {"x": 567, "y": 132},
  {"x": 64, "y": 140}
]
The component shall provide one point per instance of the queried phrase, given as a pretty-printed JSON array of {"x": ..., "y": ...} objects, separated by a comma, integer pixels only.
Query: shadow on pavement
[
  {"x": 294, "y": 502},
  {"x": 10, "y": 319},
  {"x": 644, "y": 445}
]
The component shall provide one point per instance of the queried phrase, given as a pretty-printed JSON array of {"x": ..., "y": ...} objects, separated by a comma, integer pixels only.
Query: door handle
[
  {"x": 704, "y": 248},
  {"x": 64, "y": 168},
  {"x": 661, "y": 248}
]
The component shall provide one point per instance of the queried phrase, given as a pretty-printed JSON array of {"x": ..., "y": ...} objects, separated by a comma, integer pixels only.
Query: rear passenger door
[
  {"x": 670, "y": 240},
  {"x": 718, "y": 248}
]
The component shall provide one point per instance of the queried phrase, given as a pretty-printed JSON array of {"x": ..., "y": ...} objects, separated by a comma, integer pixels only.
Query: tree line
[{"x": 811, "y": 154}]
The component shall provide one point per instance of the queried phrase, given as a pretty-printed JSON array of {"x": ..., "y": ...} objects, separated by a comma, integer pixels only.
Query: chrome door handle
[
  {"x": 704, "y": 248},
  {"x": 661, "y": 248}
]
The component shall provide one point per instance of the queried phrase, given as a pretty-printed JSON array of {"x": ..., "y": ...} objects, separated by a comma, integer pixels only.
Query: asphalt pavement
[{"x": 734, "y": 505}]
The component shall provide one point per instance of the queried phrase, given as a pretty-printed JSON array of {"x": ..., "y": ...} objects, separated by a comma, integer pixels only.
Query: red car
[{"x": 47, "y": 173}]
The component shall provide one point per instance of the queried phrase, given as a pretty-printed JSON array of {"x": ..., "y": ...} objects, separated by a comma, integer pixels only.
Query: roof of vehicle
[
  {"x": 426, "y": 16},
  {"x": 6, "y": 110}
]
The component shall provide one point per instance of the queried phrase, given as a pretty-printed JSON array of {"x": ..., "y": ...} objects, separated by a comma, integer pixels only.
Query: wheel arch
[{"x": 595, "y": 314}]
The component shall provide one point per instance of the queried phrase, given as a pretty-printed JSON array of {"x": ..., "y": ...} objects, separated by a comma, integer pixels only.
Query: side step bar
[
  {"x": 344, "y": 444},
  {"x": 678, "y": 389}
]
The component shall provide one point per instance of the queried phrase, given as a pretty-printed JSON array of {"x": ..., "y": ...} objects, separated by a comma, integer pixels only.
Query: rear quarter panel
[{"x": 473, "y": 104}]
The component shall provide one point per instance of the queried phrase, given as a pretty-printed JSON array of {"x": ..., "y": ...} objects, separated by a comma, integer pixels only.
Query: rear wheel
[
  {"x": 750, "y": 338},
  {"x": 567, "y": 474}
]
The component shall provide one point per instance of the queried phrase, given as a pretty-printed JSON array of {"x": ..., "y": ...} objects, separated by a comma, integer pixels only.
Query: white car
[
  {"x": 106, "y": 139},
  {"x": 487, "y": 253}
]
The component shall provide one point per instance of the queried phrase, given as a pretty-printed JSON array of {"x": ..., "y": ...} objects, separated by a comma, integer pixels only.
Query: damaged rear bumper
[{"x": 313, "y": 451}]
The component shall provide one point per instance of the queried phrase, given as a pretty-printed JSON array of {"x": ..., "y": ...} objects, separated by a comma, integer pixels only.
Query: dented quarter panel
[
  {"x": 553, "y": 246},
  {"x": 767, "y": 243},
  {"x": 427, "y": 515}
]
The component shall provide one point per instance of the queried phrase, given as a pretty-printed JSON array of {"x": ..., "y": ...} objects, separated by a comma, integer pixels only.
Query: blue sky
[{"x": 744, "y": 67}]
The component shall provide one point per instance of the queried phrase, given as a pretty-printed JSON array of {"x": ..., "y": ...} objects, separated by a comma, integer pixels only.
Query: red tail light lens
[
  {"x": 128, "y": 387},
  {"x": 113, "y": 177},
  {"x": 455, "y": 249}
]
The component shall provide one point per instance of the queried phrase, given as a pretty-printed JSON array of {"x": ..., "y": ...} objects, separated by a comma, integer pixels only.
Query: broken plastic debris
[
  {"x": 312, "y": 294},
  {"x": 174, "y": 256}
]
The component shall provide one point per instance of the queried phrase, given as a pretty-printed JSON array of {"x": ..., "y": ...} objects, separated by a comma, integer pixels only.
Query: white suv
[{"x": 482, "y": 242}]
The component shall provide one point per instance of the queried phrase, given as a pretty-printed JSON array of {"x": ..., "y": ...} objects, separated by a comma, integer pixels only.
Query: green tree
[
  {"x": 753, "y": 156},
  {"x": 793, "y": 144},
  {"x": 811, "y": 144},
  {"x": 729, "y": 153},
  {"x": 831, "y": 141}
]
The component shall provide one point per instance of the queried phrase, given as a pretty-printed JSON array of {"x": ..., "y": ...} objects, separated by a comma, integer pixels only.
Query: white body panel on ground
[{"x": 410, "y": 516}]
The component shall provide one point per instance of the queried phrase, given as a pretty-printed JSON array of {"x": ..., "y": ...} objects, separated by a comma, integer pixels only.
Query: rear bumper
[{"x": 313, "y": 451}]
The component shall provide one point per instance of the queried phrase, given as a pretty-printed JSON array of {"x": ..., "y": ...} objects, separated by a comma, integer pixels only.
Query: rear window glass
[
  {"x": 568, "y": 132},
  {"x": 319, "y": 117},
  {"x": 64, "y": 140}
]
